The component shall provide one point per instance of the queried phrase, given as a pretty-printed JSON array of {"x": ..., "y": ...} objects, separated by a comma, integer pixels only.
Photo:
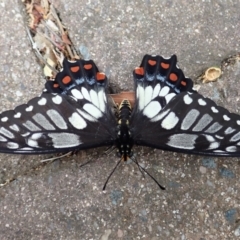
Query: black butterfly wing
[
  {"x": 169, "y": 115},
  {"x": 73, "y": 113}
]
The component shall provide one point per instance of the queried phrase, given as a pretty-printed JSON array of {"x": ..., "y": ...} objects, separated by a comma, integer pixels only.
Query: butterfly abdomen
[{"x": 124, "y": 141}]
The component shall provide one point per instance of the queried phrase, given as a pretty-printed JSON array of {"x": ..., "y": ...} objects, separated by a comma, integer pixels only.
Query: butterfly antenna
[
  {"x": 56, "y": 157},
  {"x": 104, "y": 187},
  {"x": 144, "y": 170}
]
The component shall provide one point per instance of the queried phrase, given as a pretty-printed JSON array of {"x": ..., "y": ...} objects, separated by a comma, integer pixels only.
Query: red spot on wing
[
  {"x": 165, "y": 65},
  {"x": 75, "y": 69},
  {"x": 55, "y": 85},
  {"x": 139, "y": 71},
  {"x": 152, "y": 62},
  {"x": 100, "y": 76},
  {"x": 66, "y": 80},
  {"x": 173, "y": 77},
  {"x": 88, "y": 66},
  {"x": 183, "y": 83}
]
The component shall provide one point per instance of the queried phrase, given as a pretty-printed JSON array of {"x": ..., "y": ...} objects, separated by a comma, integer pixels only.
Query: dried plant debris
[
  {"x": 230, "y": 61},
  {"x": 212, "y": 74},
  {"x": 48, "y": 36}
]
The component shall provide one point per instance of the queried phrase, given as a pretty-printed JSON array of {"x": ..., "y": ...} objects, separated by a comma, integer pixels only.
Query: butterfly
[{"x": 74, "y": 112}]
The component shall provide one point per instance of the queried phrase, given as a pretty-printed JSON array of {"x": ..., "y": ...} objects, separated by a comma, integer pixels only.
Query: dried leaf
[
  {"x": 40, "y": 9},
  {"x": 52, "y": 25},
  {"x": 66, "y": 39},
  {"x": 211, "y": 74},
  {"x": 47, "y": 70}
]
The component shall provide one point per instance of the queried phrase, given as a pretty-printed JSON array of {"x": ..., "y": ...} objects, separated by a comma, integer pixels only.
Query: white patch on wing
[
  {"x": 12, "y": 145},
  {"x": 42, "y": 101},
  {"x": 187, "y": 99},
  {"x": 170, "y": 121},
  {"x": 77, "y": 121},
  {"x": 160, "y": 116},
  {"x": 201, "y": 102},
  {"x": 57, "y": 119},
  {"x": 182, "y": 141},
  {"x": 152, "y": 109},
  {"x": 148, "y": 95},
  {"x": 3, "y": 139},
  {"x": 42, "y": 121},
  {"x": 25, "y": 134},
  {"x": 26, "y": 149},
  {"x": 85, "y": 94},
  {"x": 57, "y": 99},
  {"x": 202, "y": 123},
  {"x": 35, "y": 136},
  {"x": 31, "y": 126},
  {"x": 209, "y": 137},
  {"x": 4, "y": 119},
  {"x": 214, "y": 128},
  {"x": 219, "y": 137},
  {"x": 17, "y": 115},
  {"x": 137, "y": 94},
  {"x": 235, "y": 137},
  {"x": 212, "y": 142},
  {"x": 231, "y": 149},
  {"x": 104, "y": 97},
  {"x": 169, "y": 97},
  {"x": 219, "y": 151},
  {"x": 102, "y": 100},
  {"x": 229, "y": 130},
  {"x": 65, "y": 140},
  {"x": 214, "y": 110},
  {"x": 226, "y": 118},
  {"x": 156, "y": 91},
  {"x": 140, "y": 97},
  {"x": 213, "y": 145},
  {"x": 6, "y": 132},
  {"x": 238, "y": 122},
  {"x": 189, "y": 119},
  {"x": 71, "y": 61},
  {"x": 29, "y": 108},
  {"x": 94, "y": 98},
  {"x": 92, "y": 110},
  {"x": 76, "y": 93},
  {"x": 164, "y": 91},
  {"x": 32, "y": 143},
  {"x": 14, "y": 127},
  {"x": 87, "y": 116}
]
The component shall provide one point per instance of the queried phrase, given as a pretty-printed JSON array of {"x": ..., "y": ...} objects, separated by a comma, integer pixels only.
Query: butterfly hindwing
[
  {"x": 73, "y": 113},
  {"x": 170, "y": 115}
]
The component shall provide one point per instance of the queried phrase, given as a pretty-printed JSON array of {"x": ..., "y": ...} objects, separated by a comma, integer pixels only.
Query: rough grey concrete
[{"x": 61, "y": 200}]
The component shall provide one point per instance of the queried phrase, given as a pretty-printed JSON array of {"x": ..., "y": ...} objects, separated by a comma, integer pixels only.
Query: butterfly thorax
[{"x": 124, "y": 141}]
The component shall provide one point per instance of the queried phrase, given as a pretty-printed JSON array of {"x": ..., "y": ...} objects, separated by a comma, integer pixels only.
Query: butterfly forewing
[
  {"x": 73, "y": 113},
  {"x": 169, "y": 115}
]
